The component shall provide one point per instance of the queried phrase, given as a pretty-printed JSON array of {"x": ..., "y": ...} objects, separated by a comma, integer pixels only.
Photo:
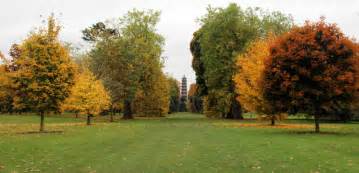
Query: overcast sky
[{"x": 178, "y": 19}]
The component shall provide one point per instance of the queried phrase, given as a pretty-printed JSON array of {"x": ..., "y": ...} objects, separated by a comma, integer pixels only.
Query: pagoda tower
[
  {"x": 183, "y": 95},
  {"x": 184, "y": 88}
]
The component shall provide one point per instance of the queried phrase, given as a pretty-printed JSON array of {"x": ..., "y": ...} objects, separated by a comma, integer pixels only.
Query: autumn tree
[
  {"x": 194, "y": 99},
  {"x": 153, "y": 100},
  {"x": 4, "y": 78},
  {"x": 224, "y": 34},
  {"x": 174, "y": 92},
  {"x": 312, "y": 70},
  {"x": 5, "y": 90},
  {"x": 88, "y": 96},
  {"x": 249, "y": 80},
  {"x": 45, "y": 72},
  {"x": 129, "y": 60}
]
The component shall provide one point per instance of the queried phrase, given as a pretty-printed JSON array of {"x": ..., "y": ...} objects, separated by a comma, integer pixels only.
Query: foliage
[
  {"x": 197, "y": 63},
  {"x": 98, "y": 31},
  {"x": 249, "y": 79},
  {"x": 129, "y": 61},
  {"x": 8, "y": 69},
  {"x": 354, "y": 107},
  {"x": 194, "y": 99},
  {"x": 5, "y": 90},
  {"x": 312, "y": 69},
  {"x": 153, "y": 99},
  {"x": 224, "y": 34},
  {"x": 46, "y": 73},
  {"x": 174, "y": 94},
  {"x": 88, "y": 95}
]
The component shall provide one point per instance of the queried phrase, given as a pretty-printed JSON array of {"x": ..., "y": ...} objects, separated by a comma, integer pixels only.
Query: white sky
[{"x": 178, "y": 19}]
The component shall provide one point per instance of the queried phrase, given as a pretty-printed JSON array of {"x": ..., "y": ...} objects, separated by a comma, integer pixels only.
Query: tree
[
  {"x": 129, "y": 62},
  {"x": 98, "y": 31},
  {"x": 7, "y": 87},
  {"x": 194, "y": 99},
  {"x": 249, "y": 79},
  {"x": 45, "y": 72},
  {"x": 88, "y": 96},
  {"x": 197, "y": 64},
  {"x": 224, "y": 34},
  {"x": 5, "y": 92},
  {"x": 5, "y": 98},
  {"x": 312, "y": 69},
  {"x": 153, "y": 99},
  {"x": 174, "y": 94},
  {"x": 15, "y": 53}
]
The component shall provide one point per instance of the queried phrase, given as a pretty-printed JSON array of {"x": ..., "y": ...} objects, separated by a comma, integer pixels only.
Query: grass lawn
[{"x": 182, "y": 142}]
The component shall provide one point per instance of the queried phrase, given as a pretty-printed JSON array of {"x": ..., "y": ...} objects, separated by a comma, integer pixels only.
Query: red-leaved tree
[{"x": 312, "y": 69}]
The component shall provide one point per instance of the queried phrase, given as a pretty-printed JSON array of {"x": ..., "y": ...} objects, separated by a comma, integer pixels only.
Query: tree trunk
[
  {"x": 235, "y": 111},
  {"x": 88, "y": 120},
  {"x": 272, "y": 120},
  {"x": 127, "y": 112},
  {"x": 42, "y": 121},
  {"x": 111, "y": 115},
  {"x": 316, "y": 121},
  {"x": 77, "y": 115}
]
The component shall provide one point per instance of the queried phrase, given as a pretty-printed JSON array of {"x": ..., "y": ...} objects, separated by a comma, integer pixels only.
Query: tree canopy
[
  {"x": 312, "y": 69},
  {"x": 88, "y": 96},
  {"x": 45, "y": 71},
  {"x": 225, "y": 33},
  {"x": 129, "y": 60}
]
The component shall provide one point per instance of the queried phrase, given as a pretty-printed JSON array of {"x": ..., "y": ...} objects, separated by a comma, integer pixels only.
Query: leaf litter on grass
[
  {"x": 33, "y": 128},
  {"x": 278, "y": 126}
]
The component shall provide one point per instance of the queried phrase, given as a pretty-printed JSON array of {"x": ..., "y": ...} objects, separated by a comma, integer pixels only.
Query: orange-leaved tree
[{"x": 312, "y": 69}]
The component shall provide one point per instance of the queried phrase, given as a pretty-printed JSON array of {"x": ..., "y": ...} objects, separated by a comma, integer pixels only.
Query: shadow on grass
[
  {"x": 43, "y": 132},
  {"x": 322, "y": 133}
]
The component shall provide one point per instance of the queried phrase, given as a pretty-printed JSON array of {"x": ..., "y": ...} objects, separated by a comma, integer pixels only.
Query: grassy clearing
[{"x": 183, "y": 142}]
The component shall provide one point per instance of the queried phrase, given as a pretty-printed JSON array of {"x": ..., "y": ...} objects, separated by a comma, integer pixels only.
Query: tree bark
[
  {"x": 272, "y": 120},
  {"x": 127, "y": 112},
  {"x": 88, "y": 120},
  {"x": 316, "y": 121},
  {"x": 235, "y": 111},
  {"x": 111, "y": 115},
  {"x": 42, "y": 121}
]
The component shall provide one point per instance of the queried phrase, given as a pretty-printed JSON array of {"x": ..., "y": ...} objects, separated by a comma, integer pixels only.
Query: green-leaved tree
[{"x": 225, "y": 33}]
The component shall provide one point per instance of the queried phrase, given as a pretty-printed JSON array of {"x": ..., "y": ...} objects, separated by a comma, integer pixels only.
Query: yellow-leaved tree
[
  {"x": 153, "y": 99},
  {"x": 88, "y": 96},
  {"x": 45, "y": 72},
  {"x": 5, "y": 83},
  {"x": 249, "y": 78}
]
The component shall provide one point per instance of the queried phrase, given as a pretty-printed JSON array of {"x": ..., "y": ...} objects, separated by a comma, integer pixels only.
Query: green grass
[
  {"x": 32, "y": 118},
  {"x": 182, "y": 142}
]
